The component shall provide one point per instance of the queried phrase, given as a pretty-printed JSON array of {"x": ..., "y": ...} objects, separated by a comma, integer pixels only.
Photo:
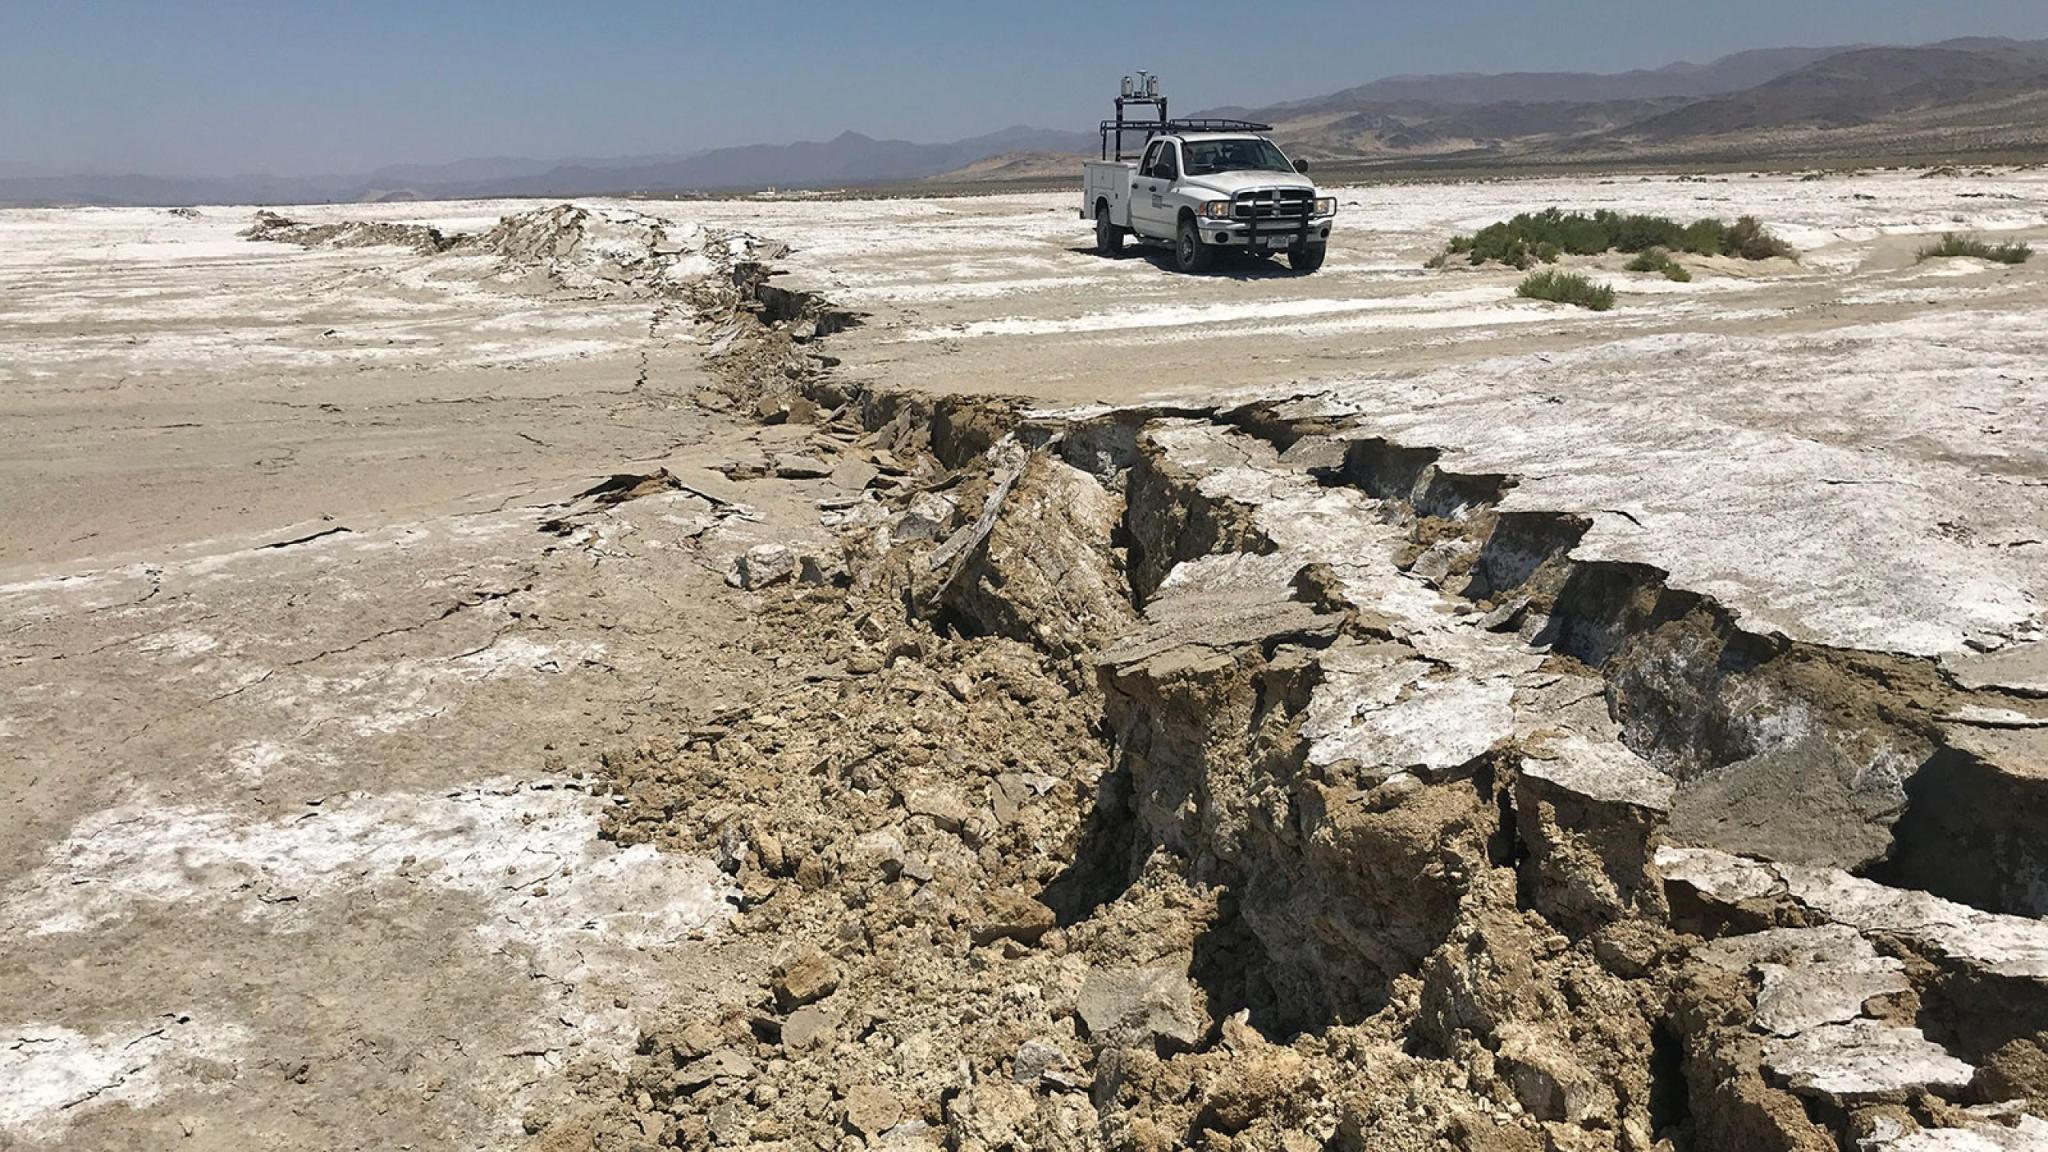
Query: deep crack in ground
[{"x": 1229, "y": 779}]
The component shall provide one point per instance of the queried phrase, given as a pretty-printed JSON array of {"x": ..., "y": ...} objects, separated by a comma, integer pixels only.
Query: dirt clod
[
  {"x": 872, "y": 1110},
  {"x": 809, "y": 976}
]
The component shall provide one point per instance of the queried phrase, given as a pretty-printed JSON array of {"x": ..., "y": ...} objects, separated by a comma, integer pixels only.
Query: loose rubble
[
  {"x": 568, "y": 250},
  {"x": 420, "y": 238}
]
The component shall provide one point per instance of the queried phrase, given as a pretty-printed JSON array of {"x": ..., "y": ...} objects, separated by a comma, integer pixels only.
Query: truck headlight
[
  {"x": 1326, "y": 206},
  {"x": 1217, "y": 210}
]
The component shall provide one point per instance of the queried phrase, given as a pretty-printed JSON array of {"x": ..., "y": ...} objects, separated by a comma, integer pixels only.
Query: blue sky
[{"x": 320, "y": 86}]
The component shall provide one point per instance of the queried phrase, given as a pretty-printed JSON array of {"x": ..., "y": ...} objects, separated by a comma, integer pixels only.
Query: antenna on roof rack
[{"x": 1142, "y": 90}]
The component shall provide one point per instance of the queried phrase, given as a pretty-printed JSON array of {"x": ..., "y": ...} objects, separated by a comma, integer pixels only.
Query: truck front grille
[{"x": 1273, "y": 204}]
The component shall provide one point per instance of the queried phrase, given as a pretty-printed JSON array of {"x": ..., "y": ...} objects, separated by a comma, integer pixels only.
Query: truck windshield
[{"x": 1250, "y": 155}]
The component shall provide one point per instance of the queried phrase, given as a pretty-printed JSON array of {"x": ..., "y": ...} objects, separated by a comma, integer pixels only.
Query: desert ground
[{"x": 839, "y": 673}]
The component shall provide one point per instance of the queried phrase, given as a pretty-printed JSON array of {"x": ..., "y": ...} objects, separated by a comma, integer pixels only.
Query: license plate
[{"x": 1277, "y": 241}]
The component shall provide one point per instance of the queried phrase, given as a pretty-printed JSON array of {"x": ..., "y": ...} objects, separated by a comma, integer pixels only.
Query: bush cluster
[
  {"x": 1567, "y": 288},
  {"x": 1658, "y": 260},
  {"x": 1952, "y": 245},
  {"x": 1546, "y": 235}
]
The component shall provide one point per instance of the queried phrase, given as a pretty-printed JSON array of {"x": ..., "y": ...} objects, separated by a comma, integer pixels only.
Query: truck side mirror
[{"x": 1301, "y": 166}]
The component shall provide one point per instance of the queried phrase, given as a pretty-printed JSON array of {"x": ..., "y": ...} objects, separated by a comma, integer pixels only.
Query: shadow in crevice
[
  {"x": 1107, "y": 860},
  {"x": 1230, "y": 966},
  {"x": 1670, "y": 1095},
  {"x": 1986, "y": 1018},
  {"x": 1237, "y": 974},
  {"x": 1971, "y": 833}
]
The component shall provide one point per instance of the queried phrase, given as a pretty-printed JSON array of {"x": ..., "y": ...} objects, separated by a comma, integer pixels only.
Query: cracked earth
[{"x": 852, "y": 674}]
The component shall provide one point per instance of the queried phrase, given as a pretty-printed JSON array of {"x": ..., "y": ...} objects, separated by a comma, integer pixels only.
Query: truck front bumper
[{"x": 1268, "y": 233}]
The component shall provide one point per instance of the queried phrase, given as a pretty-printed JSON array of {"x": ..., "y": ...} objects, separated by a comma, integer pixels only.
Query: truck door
[{"x": 1152, "y": 209}]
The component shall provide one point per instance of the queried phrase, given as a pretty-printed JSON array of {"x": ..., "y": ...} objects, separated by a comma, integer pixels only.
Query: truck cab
[{"x": 1204, "y": 187}]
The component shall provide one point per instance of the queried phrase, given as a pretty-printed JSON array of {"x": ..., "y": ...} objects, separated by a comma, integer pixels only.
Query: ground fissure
[{"x": 1188, "y": 778}]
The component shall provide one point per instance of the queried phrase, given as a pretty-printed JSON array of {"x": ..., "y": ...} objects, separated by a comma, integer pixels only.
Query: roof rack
[{"x": 1211, "y": 124}]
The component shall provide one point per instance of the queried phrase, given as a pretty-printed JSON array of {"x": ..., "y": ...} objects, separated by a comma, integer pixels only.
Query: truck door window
[
  {"x": 1163, "y": 167},
  {"x": 1151, "y": 158}
]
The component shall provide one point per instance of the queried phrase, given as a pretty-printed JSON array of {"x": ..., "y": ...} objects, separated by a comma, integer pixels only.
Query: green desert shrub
[
  {"x": 1554, "y": 232},
  {"x": 1703, "y": 237},
  {"x": 1953, "y": 245},
  {"x": 1658, "y": 260},
  {"x": 1750, "y": 240},
  {"x": 1567, "y": 288}
]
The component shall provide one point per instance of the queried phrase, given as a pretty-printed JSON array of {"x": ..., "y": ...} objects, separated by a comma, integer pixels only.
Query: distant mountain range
[
  {"x": 1972, "y": 95},
  {"x": 1963, "y": 95},
  {"x": 1727, "y": 74},
  {"x": 847, "y": 160}
]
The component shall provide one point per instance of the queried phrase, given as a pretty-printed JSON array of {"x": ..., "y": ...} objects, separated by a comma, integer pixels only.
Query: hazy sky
[{"x": 306, "y": 86}]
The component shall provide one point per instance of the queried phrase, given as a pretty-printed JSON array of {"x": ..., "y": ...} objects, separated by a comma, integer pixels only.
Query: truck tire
[
  {"x": 1307, "y": 258},
  {"x": 1189, "y": 253},
  {"x": 1109, "y": 239}
]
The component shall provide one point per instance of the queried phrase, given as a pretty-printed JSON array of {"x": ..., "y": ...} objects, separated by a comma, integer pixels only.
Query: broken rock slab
[
  {"x": 801, "y": 468},
  {"x": 1433, "y": 710},
  {"x": 2021, "y": 669},
  {"x": 766, "y": 565},
  {"x": 1391, "y": 709},
  {"x": 854, "y": 475},
  {"x": 1815, "y": 986},
  {"x": 762, "y": 566},
  {"x": 1222, "y": 603},
  {"x": 1864, "y": 1060},
  {"x": 1044, "y": 572},
  {"x": 1141, "y": 1006},
  {"x": 930, "y": 516},
  {"x": 1319, "y": 456},
  {"x": 1596, "y": 772},
  {"x": 944, "y": 807},
  {"x": 1589, "y": 812},
  {"x": 1810, "y": 976},
  {"x": 806, "y": 1028},
  {"x": 1989, "y": 979},
  {"x": 721, "y": 1064},
  {"x": 1034, "y": 1059},
  {"x": 2014, "y": 947},
  {"x": 1988, "y": 1134}
]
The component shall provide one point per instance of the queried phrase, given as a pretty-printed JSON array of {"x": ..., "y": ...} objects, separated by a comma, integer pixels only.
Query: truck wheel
[
  {"x": 1307, "y": 258},
  {"x": 1189, "y": 253},
  {"x": 1109, "y": 239}
]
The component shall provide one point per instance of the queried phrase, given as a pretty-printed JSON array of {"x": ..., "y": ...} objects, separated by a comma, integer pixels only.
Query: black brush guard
[{"x": 1278, "y": 205}]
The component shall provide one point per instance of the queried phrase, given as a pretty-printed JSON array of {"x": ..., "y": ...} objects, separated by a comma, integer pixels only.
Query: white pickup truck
[{"x": 1205, "y": 187}]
